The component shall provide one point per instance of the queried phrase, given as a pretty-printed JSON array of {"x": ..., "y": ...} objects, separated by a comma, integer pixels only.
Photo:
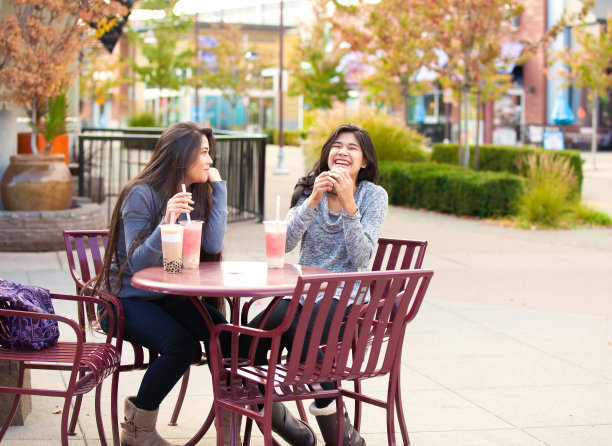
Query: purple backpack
[{"x": 22, "y": 333}]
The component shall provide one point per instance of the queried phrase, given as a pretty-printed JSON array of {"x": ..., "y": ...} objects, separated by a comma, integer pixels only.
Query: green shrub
[
  {"x": 292, "y": 137},
  {"x": 143, "y": 119},
  {"x": 589, "y": 216},
  {"x": 549, "y": 193},
  {"x": 393, "y": 140},
  {"x": 450, "y": 189},
  {"x": 270, "y": 135},
  {"x": 504, "y": 158}
]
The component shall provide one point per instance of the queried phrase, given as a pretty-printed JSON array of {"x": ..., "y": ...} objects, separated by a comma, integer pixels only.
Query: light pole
[{"x": 280, "y": 168}]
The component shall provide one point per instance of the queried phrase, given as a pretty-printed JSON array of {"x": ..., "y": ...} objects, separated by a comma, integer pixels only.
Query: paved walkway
[{"x": 512, "y": 347}]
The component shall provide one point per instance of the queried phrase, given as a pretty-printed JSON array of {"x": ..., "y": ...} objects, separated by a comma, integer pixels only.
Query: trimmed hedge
[
  {"x": 292, "y": 137},
  {"x": 502, "y": 158},
  {"x": 451, "y": 189}
]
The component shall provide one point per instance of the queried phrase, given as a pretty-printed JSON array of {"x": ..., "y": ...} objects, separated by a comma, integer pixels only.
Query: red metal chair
[
  {"x": 391, "y": 254},
  {"x": 369, "y": 345},
  {"x": 89, "y": 247},
  {"x": 394, "y": 254},
  {"x": 89, "y": 363}
]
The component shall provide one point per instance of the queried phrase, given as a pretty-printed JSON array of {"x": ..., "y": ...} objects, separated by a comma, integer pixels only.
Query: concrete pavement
[{"x": 512, "y": 346}]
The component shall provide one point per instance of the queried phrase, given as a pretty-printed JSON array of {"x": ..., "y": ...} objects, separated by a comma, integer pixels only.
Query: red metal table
[{"x": 229, "y": 279}]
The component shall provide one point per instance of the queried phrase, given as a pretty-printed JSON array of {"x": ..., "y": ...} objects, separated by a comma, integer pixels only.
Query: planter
[
  {"x": 35, "y": 231},
  {"x": 60, "y": 145},
  {"x": 36, "y": 182},
  {"x": 9, "y": 372}
]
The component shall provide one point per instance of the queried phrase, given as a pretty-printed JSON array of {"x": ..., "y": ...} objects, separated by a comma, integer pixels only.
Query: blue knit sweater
[{"x": 140, "y": 208}]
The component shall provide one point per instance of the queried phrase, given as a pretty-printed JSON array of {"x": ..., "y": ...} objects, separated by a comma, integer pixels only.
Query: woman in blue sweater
[
  {"x": 167, "y": 324},
  {"x": 337, "y": 212}
]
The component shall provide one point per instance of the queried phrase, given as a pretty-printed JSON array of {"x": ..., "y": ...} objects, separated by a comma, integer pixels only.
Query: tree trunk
[
  {"x": 34, "y": 137},
  {"x": 459, "y": 99},
  {"x": 466, "y": 155},
  {"x": 477, "y": 145},
  {"x": 595, "y": 112}
]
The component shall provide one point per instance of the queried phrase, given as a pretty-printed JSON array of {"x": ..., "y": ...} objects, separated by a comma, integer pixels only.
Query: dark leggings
[
  {"x": 276, "y": 317},
  {"x": 170, "y": 326}
]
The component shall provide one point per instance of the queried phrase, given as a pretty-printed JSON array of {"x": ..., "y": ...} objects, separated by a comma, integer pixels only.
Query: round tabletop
[{"x": 225, "y": 279}]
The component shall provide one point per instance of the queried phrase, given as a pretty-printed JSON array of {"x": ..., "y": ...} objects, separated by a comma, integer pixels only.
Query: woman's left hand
[
  {"x": 344, "y": 186},
  {"x": 214, "y": 175}
]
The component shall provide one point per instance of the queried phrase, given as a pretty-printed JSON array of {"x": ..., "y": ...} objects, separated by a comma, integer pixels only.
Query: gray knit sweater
[{"x": 336, "y": 241}]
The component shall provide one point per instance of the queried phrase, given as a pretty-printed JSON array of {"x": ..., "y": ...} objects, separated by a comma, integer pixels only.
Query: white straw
[
  {"x": 188, "y": 217},
  {"x": 171, "y": 218},
  {"x": 277, "y": 207}
]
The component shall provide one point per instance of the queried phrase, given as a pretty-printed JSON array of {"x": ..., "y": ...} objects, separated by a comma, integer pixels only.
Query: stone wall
[{"x": 30, "y": 231}]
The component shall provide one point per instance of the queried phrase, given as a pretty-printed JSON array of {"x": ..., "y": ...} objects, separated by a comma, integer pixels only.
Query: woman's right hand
[
  {"x": 179, "y": 204},
  {"x": 322, "y": 184}
]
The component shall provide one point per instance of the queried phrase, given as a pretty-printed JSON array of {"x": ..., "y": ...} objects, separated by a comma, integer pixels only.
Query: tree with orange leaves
[
  {"x": 395, "y": 40},
  {"x": 39, "y": 44},
  {"x": 589, "y": 67},
  {"x": 471, "y": 33}
]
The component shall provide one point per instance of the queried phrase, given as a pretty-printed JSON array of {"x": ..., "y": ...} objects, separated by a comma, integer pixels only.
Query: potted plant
[{"x": 40, "y": 41}]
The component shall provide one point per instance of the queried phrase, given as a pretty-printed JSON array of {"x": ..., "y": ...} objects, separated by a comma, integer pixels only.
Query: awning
[{"x": 562, "y": 113}]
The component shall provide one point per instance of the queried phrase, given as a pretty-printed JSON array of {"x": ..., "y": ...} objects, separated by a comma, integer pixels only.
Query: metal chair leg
[
  {"x": 99, "y": 421},
  {"x": 75, "y": 411},
  {"x": 114, "y": 407},
  {"x": 179, "y": 400},
  {"x": 399, "y": 408}
]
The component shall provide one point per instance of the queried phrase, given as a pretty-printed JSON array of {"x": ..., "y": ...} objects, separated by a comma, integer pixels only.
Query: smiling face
[
  {"x": 346, "y": 154},
  {"x": 198, "y": 172}
]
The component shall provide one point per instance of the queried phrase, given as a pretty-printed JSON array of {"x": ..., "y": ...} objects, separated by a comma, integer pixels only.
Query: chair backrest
[
  {"x": 364, "y": 339},
  {"x": 393, "y": 254},
  {"x": 89, "y": 249}
]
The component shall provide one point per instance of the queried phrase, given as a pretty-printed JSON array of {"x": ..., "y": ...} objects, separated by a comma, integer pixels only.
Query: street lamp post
[{"x": 280, "y": 168}]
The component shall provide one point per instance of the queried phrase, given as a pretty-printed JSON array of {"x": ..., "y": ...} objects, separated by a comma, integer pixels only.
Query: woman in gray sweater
[{"x": 337, "y": 212}]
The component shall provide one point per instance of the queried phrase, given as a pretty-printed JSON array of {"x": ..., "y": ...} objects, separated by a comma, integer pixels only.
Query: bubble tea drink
[
  {"x": 276, "y": 235},
  {"x": 192, "y": 240},
  {"x": 172, "y": 247}
]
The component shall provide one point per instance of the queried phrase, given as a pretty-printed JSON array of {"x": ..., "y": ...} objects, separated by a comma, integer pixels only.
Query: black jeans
[
  {"x": 274, "y": 320},
  {"x": 170, "y": 326}
]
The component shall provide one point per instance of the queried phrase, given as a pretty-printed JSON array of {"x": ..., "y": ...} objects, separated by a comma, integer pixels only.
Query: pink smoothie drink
[
  {"x": 276, "y": 235},
  {"x": 192, "y": 239}
]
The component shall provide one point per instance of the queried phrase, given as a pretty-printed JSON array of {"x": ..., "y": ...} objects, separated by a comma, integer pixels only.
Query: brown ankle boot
[
  {"x": 226, "y": 428},
  {"x": 292, "y": 430},
  {"x": 139, "y": 427},
  {"x": 327, "y": 419}
]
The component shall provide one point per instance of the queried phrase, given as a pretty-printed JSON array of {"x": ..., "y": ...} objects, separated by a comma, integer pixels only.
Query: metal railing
[{"x": 109, "y": 158}]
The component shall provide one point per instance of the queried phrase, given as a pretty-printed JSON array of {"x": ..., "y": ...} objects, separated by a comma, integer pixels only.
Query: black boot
[
  {"x": 327, "y": 418},
  {"x": 292, "y": 430}
]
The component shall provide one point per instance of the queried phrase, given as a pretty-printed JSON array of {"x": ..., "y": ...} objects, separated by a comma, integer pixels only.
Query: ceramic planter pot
[{"x": 36, "y": 183}]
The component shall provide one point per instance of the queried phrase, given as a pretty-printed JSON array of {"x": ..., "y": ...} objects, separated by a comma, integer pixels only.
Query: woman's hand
[
  {"x": 179, "y": 204},
  {"x": 344, "y": 186},
  {"x": 214, "y": 175},
  {"x": 321, "y": 185}
]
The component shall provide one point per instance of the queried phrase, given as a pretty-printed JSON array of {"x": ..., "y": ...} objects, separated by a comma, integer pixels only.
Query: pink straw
[{"x": 185, "y": 190}]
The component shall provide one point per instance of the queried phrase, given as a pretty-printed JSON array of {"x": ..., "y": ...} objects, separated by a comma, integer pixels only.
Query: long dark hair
[
  {"x": 176, "y": 150},
  {"x": 368, "y": 173}
]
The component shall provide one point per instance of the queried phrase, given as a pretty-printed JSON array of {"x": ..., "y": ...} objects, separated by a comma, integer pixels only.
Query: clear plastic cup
[
  {"x": 276, "y": 236},
  {"x": 192, "y": 241},
  {"x": 172, "y": 247}
]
